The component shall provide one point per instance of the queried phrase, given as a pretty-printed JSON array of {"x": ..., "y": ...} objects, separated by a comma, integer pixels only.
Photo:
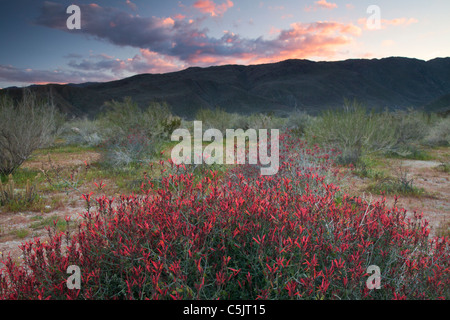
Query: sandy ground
[
  {"x": 73, "y": 205},
  {"x": 425, "y": 174}
]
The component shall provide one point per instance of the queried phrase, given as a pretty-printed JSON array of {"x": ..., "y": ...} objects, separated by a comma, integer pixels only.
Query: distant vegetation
[{"x": 128, "y": 135}]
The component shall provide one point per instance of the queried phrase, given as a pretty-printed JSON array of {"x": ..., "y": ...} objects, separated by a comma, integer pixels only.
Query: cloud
[
  {"x": 131, "y": 5},
  {"x": 188, "y": 42},
  {"x": 387, "y": 43},
  {"x": 274, "y": 8},
  {"x": 208, "y": 6},
  {"x": 12, "y": 74},
  {"x": 94, "y": 68},
  {"x": 326, "y": 5},
  {"x": 321, "y": 4},
  {"x": 399, "y": 21},
  {"x": 393, "y": 22},
  {"x": 146, "y": 61},
  {"x": 287, "y": 16},
  {"x": 168, "y": 44}
]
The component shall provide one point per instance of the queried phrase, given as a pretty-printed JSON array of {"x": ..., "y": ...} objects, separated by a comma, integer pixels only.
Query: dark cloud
[
  {"x": 170, "y": 44},
  {"x": 186, "y": 40},
  {"x": 12, "y": 74}
]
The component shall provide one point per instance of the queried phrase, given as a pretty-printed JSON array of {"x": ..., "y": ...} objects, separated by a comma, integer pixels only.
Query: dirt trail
[{"x": 72, "y": 205}]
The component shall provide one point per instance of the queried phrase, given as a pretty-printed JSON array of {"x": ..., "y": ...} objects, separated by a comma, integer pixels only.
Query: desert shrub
[
  {"x": 222, "y": 120},
  {"x": 444, "y": 167},
  {"x": 236, "y": 237},
  {"x": 411, "y": 127},
  {"x": 154, "y": 121},
  {"x": 354, "y": 131},
  {"x": 24, "y": 126},
  {"x": 265, "y": 121},
  {"x": 84, "y": 132},
  {"x": 135, "y": 147},
  {"x": 439, "y": 133},
  {"x": 239, "y": 121},
  {"x": 215, "y": 118},
  {"x": 135, "y": 134},
  {"x": 299, "y": 121}
]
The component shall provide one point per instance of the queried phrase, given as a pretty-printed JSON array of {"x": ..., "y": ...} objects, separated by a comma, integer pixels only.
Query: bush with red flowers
[{"x": 294, "y": 235}]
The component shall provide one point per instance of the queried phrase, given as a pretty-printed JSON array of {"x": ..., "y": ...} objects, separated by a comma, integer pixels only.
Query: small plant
[
  {"x": 399, "y": 185},
  {"x": 444, "y": 167},
  {"x": 7, "y": 192},
  {"x": 15, "y": 199},
  {"x": 444, "y": 229},
  {"x": 59, "y": 178},
  {"x": 41, "y": 222},
  {"x": 99, "y": 185},
  {"x": 21, "y": 233}
]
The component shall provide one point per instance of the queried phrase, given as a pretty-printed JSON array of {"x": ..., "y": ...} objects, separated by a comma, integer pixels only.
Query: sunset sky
[{"x": 120, "y": 38}]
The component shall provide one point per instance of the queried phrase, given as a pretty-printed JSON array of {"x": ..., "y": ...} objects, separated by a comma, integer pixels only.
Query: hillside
[{"x": 312, "y": 86}]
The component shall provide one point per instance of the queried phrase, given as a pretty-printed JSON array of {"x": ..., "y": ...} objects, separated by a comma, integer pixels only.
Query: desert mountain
[{"x": 312, "y": 86}]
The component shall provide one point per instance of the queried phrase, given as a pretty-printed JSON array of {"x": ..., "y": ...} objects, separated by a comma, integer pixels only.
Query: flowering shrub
[{"x": 237, "y": 236}]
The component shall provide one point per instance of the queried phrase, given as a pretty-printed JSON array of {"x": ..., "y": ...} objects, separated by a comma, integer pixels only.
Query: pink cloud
[
  {"x": 169, "y": 44},
  {"x": 208, "y": 6},
  {"x": 301, "y": 41},
  {"x": 321, "y": 4},
  {"x": 131, "y": 5},
  {"x": 399, "y": 21},
  {"x": 287, "y": 16},
  {"x": 326, "y": 5},
  {"x": 392, "y": 22},
  {"x": 179, "y": 17}
]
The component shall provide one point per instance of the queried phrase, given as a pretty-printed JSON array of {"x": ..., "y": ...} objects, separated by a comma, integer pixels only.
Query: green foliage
[
  {"x": 399, "y": 185},
  {"x": 444, "y": 229},
  {"x": 439, "y": 134},
  {"x": 21, "y": 233},
  {"x": 83, "y": 132},
  {"x": 41, "y": 222},
  {"x": 412, "y": 152},
  {"x": 17, "y": 200},
  {"x": 215, "y": 118},
  {"x": 299, "y": 121},
  {"x": 444, "y": 167},
  {"x": 367, "y": 168},
  {"x": 136, "y": 134},
  {"x": 410, "y": 127},
  {"x": 222, "y": 120},
  {"x": 354, "y": 131}
]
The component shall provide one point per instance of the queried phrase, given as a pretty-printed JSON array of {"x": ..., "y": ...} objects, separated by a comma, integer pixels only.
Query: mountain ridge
[{"x": 392, "y": 83}]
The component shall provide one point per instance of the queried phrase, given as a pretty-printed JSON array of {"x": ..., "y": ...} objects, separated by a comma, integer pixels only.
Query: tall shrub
[
  {"x": 136, "y": 133},
  {"x": 24, "y": 126},
  {"x": 354, "y": 131}
]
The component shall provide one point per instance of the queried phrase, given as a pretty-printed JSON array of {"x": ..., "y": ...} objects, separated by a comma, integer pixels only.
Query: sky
[{"x": 122, "y": 38}]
